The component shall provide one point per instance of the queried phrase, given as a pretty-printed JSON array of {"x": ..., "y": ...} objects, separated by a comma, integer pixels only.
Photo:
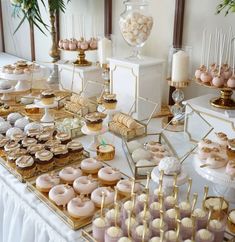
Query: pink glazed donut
[
  {"x": 69, "y": 174},
  {"x": 80, "y": 208},
  {"x": 91, "y": 166},
  {"x": 61, "y": 194},
  {"x": 125, "y": 186},
  {"x": 85, "y": 185},
  {"x": 96, "y": 196},
  {"x": 46, "y": 181},
  {"x": 109, "y": 175}
]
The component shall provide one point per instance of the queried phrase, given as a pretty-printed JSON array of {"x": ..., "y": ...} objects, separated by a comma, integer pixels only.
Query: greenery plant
[
  {"x": 226, "y": 5},
  {"x": 30, "y": 10}
]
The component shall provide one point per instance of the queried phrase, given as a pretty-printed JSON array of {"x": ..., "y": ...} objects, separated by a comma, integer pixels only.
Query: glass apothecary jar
[{"x": 136, "y": 24}]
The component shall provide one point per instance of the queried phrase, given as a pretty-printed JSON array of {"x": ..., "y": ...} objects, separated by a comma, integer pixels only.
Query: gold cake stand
[
  {"x": 81, "y": 58},
  {"x": 225, "y": 101}
]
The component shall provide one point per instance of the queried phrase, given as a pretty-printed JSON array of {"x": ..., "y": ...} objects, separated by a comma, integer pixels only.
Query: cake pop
[
  {"x": 66, "y": 44},
  {"x": 73, "y": 44},
  {"x": 61, "y": 42}
]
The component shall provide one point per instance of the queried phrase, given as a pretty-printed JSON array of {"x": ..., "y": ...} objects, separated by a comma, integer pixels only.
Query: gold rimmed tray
[
  {"x": 13, "y": 171},
  {"x": 61, "y": 212},
  {"x": 87, "y": 235}
]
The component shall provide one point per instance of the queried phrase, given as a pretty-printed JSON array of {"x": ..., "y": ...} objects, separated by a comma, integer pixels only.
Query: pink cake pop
[
  {"x": 218, "y": 81},
  {"x": 199, "y": 71},
  {"x": 93, "y": 44},
  {"x": 84, "y": 45},
  {"x": 61, "y": 42},
  {"x": 66, "y": 44},
  {"x": 73, "y": 44},
  {"x": 206, "y": 77}
]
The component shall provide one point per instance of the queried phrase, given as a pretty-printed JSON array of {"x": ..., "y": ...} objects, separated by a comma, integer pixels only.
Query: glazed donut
[
  {"x": 125, "y": 186},
  {"x": 96, "y": 196},
  {"x": 109, "y": 175},
  {"x": 153, "y": 145},
  {"x": 69, "y": 174},
  {"x": 80, "y": 208},
  {"x": 85, "y": 185},
  {"x": 91, "y": 166},
  {"x": 46, "y": 181},
  {"x": 61, "y": 194}
]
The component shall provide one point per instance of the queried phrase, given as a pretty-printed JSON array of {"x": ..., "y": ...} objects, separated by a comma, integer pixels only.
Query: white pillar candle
[
  {"x": 104, "y": 50},
  {"x": 180, "y": 67}
]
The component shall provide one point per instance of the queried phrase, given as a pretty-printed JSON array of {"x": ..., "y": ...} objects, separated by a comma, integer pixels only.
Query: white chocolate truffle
[
  {"x": 204, "y": 234},
  {"x": 171, "y": 235},
  {"x": 157, "y": 222},
  {"x": 114, "y": 231},
  {"x": 142, "y": 197},
  {"x": 99, "y": 222},
  {"x": 171, "y": 213},
  {"x": 155, "y": 206},
  {"x": 170, "y": 200},
  {"x": 132, "y": 222},
  {"x": 141, "y": 154},
  {"x": 4, "y": 126},
  {"x": 215, "y": 224},
  {"x": 128, "y": 205},
  {"x": 184, "y": 206},
  {"x": 170, "y": 165},
  {"x": 147, "y": 215},
  {"x": 187, "y": 222},
  {"x": 140, "y": 230},
  {"x": 200, "y": 213}
]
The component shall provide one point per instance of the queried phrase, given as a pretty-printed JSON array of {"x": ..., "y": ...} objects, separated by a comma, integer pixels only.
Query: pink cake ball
[
  {"x": 231, "y": 82},
  {"x": 66, "y": 44},
  {"x": 84, "y": 45},
  {"x": 218, "y": 81},
  {"x": 206, "y": 77},
  {"x": 61, "y": 42}
]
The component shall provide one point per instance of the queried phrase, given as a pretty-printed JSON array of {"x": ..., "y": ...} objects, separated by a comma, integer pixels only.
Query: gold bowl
[{"x": 105, "y": 152}]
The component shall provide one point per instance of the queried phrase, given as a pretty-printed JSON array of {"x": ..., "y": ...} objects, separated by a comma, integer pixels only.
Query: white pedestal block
[
  {"x": 139, "y": 82},
  {"x": 216, "y": 117},
  {"x": 75, "y": 79}
]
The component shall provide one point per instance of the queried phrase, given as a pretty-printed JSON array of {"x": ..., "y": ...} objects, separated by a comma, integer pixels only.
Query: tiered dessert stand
[
  {"x": 95, "y": 142},
  {"x": 47, "y": 117},
  {"x": 223, "y": 185}
]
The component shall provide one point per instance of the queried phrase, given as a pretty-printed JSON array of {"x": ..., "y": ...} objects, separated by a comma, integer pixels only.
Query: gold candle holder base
[
  {"x": 178, "y": 85},
  {"x": 225, "y": 100}
]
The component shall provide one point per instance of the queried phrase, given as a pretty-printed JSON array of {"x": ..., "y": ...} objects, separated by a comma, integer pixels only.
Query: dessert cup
[
  {"x": 137, "y": 234},
  {"x": 218, "y": 227},
  {"x": 170, "y": 218},
  {"x": 133, "y": 223},
  {"x": 99, "y": 226},
  {"x": 155, "y": 227},
  {"x": 186, "y": 228},
  {"x": 47, "y": 97},
  {"x": 169, "y": 202},
  {"x": 154, "y": 209},
  {"x": 141, "y": 219},
  {"x": 110, "y": 217},
  {"x": 171, "y": 236},
  {"x": 105, "y": 152},
  {"x": 113, "y": 234},
  {"x": 185, "y": 209},
  {"x": 204, "y": 235},
  {"x": 201, "y": 218}
]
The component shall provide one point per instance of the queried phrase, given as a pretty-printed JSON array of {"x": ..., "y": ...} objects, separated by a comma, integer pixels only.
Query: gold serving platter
[
  {"x": 4, "y": 163},
  {"x": 61, "y": 212}
]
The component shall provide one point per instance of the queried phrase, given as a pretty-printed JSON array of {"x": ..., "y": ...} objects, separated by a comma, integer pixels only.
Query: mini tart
[
  {"x": 64, "y": 138},
  {"x": 75, "y": 149},
  {"x": 109, "y": 101},
  {"x": 91, "y": 166},
  {"x": 35, "y": 148},
  {"x": 44, "y": 137},
  {"x": 94, "y": 121},
  {"x": 14, "y": 155},
  {"x": 44, "y": 160},
  {"x": 105, "y": 152},
  {"x": 26, "y": 166},
  {"x": 61, "y": 155},
  {"x": 26, "y": 142},
  {"x": 13, "y": 145},
  {"x": 47, "y": 97}
]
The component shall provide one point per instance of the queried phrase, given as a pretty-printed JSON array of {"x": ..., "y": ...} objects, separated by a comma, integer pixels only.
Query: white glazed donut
[
  {"x": 96, "y": 196},
  {"x": 61, "y": 194},
  {"x": 91, "y": 165},
  {"x": 85, "y": 185},
  {"x": 46, "y": 181},
  {"x": 109, "y": 175},
  {"x": 79, "y": 208},
  {"x": 125, "y": 186},
  {"x": 69, "y": 174}
]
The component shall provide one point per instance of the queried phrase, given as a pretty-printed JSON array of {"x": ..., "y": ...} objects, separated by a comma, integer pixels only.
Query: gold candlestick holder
[{"x": 176, "y": 123}]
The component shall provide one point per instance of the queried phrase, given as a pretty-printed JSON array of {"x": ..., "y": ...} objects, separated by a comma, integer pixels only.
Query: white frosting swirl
[
  {"x": 44, "y": 155},
  {"x": 24, "y": 161}
]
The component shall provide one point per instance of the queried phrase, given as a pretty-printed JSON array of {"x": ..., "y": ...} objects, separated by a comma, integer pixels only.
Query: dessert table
[{"x": 26, "y": 219}]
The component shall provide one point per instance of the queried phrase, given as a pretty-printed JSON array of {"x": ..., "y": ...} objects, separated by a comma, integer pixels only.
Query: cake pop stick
[
  {"x": 221, "y": 52},
  {"x": 193, "y": 217},
  {"x": 160, "y": 196},
  {"x": 208, "y": 53},
  {"x": 144, "y": 231},
  {"x": 178, "y": 229},
  {"x": 115, "y": 194},
  {"x": 145, "y": 209},
  {"x": 233, "y": 57},
  {"x": 162, "y": 234},
  {"x": 129, "y": 224},
  {"x": 227, "y": 58},
  {"x": 161, "y": 181},
  {"x": 73, "y": 33},
  {"x": 176, "y": 192},
  {"x": 102, "y": 205},
  {"x": 216, "y": 46},
  {"x": 195, "y": 196},
  {"x": 133, "y": 202},
  {"x": 189, "y": 189},
  {"x": 161, "y": 218},
  {"x": 221, "y": 205},
  {"x": 133, "y": 186},
  {"x": 203, "y": 46},
  {"x": 209, "y": 215},
  {"x": 177, "y": 209},
  {"x": 148, "y": 180},
  {"x": 116, "y": 213},
  {"x": 206, "y": 190}
]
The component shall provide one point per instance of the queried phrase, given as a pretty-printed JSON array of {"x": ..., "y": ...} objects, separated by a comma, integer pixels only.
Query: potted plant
[{"x": 226, "y": 5}]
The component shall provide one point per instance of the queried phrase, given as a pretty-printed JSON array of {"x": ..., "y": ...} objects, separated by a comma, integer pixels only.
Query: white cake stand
[
  {"x": 169, "y": 180},
  {"x": 109, "y": 112},
  {"x": 223, "y": 185},
  {"x": 95, "y": 142},
  {"x": 5, "y": 96},
  {"x": 47, "y": 117}
]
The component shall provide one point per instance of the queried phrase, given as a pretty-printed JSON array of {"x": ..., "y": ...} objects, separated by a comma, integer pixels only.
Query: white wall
[{"x": 197, "y": 18}]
